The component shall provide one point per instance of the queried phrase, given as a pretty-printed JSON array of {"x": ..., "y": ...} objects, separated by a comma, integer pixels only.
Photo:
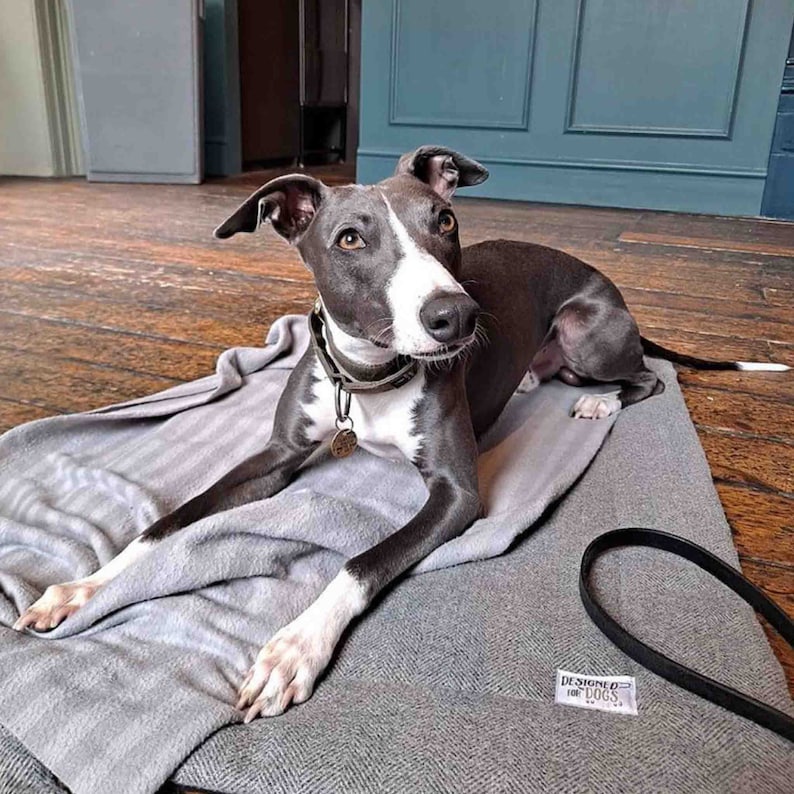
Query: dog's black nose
[{"x": 450, "y": 318}]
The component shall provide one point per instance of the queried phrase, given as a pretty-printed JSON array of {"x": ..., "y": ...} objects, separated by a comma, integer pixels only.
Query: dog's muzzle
[{"x": 450, "y": 318}]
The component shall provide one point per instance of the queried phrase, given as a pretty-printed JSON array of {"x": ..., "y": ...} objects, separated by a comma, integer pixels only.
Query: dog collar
[{"x": 401, "y": 372}]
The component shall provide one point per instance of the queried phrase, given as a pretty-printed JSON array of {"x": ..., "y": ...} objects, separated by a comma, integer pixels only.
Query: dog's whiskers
[
  {"x": 381, "y": 335},
  {"x": 494, "y": 319},
  {"x": 386, "y": 320}
]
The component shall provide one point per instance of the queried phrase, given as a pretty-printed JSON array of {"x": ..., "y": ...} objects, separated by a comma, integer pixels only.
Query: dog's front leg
[
  {"x": 285, "y": 452},
  {"x": 287, "y": 668},
  {"x": 287, "y": 449},
  {"x": 273, "y": 467}
]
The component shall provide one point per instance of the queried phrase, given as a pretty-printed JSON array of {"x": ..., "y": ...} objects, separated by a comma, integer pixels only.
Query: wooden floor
[{"x": 113, "y": 291}]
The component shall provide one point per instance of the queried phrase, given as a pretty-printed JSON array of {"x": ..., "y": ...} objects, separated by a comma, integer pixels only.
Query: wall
[
  {"x": 661, "y": 104},
  {"x": 38, "y": 124},
  {"x": 25, "y": 146}
]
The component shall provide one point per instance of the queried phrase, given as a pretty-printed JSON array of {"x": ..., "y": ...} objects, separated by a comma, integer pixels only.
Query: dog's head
[{"x": 385, "y": 257}]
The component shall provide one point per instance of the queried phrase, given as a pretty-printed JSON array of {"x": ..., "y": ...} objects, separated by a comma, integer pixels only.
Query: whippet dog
[{"x": 395, "y": 367}]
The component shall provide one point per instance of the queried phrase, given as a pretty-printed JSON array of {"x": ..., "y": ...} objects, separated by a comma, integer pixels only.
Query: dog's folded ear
[
  {"x": 288, "y": 202},
  {"x": 442, "y": 169}
]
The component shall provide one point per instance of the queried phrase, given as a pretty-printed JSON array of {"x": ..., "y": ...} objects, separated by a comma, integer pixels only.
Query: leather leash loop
[{"x": 656, "y": 662}]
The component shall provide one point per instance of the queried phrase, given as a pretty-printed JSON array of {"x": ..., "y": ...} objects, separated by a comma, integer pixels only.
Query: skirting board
[{"x": 706, "y": 191}]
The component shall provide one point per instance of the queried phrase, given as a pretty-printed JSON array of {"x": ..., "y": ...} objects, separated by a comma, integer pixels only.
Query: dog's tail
[{"x": 652, "y": 349}]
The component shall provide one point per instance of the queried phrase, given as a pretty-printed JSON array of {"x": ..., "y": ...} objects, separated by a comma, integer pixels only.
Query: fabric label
[{"x": 614, "y": 693}]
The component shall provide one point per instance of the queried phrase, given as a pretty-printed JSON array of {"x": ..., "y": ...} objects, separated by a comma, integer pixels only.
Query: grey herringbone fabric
[
  {"x": 22, "y": 773},
  {"x": 448, "y": 685},
  {"x": 117, "y": 696}
]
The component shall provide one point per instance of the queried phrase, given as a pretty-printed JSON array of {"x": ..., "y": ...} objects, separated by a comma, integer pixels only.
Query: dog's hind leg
[
  {"x": 600, "y": 342},
  {"x": 546, "y": 363},
  {"x": 640, "y": 386}
]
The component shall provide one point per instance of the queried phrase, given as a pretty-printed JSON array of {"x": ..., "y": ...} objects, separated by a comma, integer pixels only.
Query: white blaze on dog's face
[{"x": 418, "y": 277}]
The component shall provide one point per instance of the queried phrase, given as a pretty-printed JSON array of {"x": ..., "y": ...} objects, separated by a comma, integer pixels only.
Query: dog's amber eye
[
  {"x": 350, "y": 240},
  {"x": 446, "y": 222}
]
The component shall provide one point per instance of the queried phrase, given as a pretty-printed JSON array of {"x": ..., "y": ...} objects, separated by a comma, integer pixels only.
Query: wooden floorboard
[{"x": 114, "y": 291}]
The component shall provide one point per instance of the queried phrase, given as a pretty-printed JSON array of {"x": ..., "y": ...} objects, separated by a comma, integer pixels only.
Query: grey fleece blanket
[{"x": 117, "y": 696}]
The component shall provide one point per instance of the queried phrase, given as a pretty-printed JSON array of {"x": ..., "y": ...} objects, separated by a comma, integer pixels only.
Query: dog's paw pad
[
  {"x": 55, "y": 605},
  {"x": 596, "y": 406},
  {"x": 284, "y": 673}
]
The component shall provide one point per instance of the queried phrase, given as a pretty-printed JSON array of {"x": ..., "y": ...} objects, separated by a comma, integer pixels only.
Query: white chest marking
[{"x": 384, "y": 423}]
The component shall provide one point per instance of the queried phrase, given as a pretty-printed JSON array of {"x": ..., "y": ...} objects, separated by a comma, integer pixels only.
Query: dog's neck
[{"x": 358, "y": 357}]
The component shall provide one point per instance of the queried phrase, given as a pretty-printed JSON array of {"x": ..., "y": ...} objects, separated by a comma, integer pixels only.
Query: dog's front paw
[
  {"x": 596, "y": 406},
  {"x": 56, "y": 604},
  {"x": 285, "y": 670}
]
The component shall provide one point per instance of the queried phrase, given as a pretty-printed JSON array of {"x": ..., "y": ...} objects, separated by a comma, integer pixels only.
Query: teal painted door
[{"x": 665, "y": 104}]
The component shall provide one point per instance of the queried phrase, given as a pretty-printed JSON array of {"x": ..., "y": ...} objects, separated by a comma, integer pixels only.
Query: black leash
[{"x": 662, "y": 665}]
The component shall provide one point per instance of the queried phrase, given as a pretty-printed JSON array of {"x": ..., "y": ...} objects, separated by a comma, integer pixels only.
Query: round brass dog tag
[{"x": 343, "y": 443}]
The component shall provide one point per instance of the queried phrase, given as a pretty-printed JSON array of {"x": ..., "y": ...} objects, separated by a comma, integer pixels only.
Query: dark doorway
[{"x": 299, "y": 68}]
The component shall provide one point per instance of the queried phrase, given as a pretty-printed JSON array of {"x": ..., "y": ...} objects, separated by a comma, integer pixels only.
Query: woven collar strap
[{"x": 402, "y": 371}]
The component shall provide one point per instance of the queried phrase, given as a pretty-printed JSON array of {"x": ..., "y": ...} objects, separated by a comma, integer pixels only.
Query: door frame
[
  {"x": 222, "y": 120},
  {"x": 222, "y": 124},
  {"x": 778, "y": 200},
  {"x": 63, "y": 118}
]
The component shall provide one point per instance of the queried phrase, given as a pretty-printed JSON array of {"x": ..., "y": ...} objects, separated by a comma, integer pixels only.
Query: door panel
[
  {"x": 622, "y": 49},
  {"x": 269, "y": 79},
  {"x": 138, "y": 78},
  {"x": 426, "y": 53},
  {"x": 664, "y": 104}
]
